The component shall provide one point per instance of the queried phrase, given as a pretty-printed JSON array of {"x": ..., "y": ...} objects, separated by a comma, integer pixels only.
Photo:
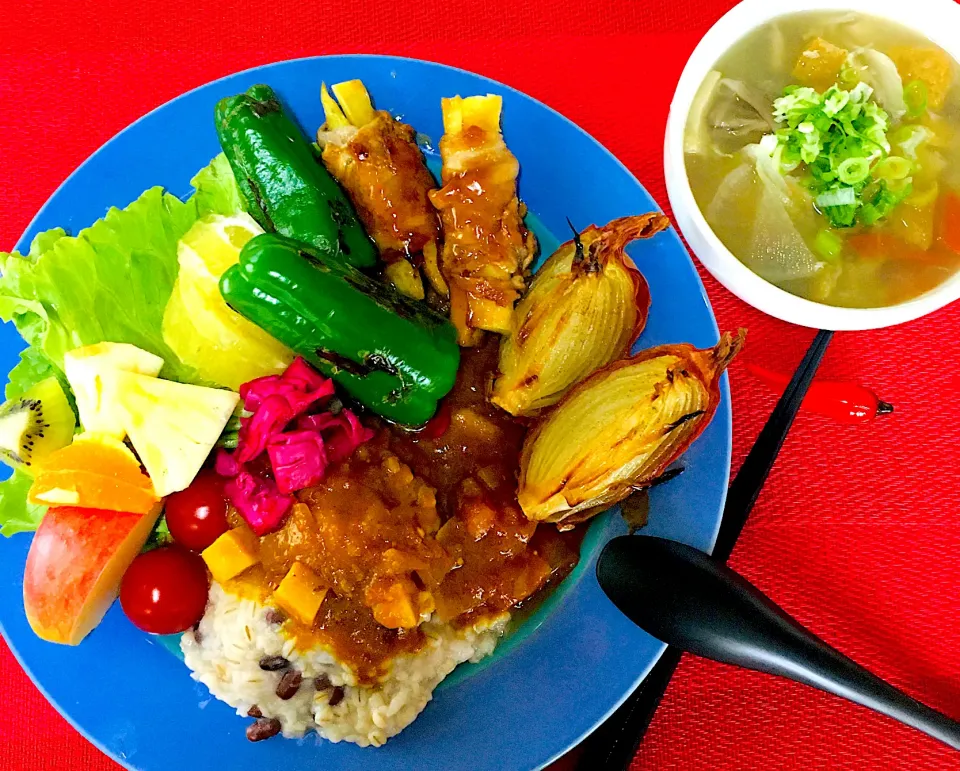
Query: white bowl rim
[{"x": 937, "y": 20}]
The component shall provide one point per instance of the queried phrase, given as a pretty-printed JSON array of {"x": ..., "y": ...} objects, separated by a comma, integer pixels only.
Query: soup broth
[{"x": 842, "y": 193}]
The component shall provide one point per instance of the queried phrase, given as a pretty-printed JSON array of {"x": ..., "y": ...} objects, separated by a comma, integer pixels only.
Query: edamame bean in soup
[{"x": 823, "y": 150}]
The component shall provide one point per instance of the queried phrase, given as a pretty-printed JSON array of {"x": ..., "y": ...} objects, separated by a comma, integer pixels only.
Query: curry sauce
[{"x": 415, "y": 524}]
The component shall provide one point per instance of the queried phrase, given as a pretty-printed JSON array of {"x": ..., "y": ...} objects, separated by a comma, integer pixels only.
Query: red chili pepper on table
[{"x": 842, "y": 401}]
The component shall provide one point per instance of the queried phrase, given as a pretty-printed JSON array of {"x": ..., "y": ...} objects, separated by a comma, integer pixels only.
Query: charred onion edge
[{"x": 720, "y": 356}]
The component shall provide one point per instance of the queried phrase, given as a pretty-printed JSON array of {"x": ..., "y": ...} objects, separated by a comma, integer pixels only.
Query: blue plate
[{"x": 572, "y": 664}]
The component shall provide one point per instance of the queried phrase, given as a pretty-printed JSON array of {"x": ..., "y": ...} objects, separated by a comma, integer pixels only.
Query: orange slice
[{"x": 95, "y": 472}]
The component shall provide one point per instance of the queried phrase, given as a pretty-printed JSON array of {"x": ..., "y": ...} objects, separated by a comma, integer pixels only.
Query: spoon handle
[{"x": 693, "y": 602}]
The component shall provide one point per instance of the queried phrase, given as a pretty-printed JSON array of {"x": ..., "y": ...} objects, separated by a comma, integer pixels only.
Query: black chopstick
[{"x": 614, "y": 744}]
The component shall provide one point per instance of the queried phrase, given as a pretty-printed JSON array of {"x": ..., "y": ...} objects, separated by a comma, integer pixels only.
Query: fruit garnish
[
  {"x": 95, "y": 472},
  {"x": 197, "y": 516},
  {"x": 34, "y": 425},
  {"x": 198, "y": 325},
  {"x": 172, "y": 426},
  {"x": 89, "y": 371},
  {"x": 165, "y": 590},
  {"x": 586, "y": 306},
  {"x": 619, "y": 429},
  {"x": 213, "y": 244},
  {"x": 75, "y": 565}
]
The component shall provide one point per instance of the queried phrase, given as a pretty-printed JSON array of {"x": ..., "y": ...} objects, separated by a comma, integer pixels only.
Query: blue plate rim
[{"x": 726, "y": 406}]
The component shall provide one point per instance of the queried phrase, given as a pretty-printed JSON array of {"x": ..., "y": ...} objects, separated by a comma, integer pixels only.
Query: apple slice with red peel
[{"x": 75, "y": 565}]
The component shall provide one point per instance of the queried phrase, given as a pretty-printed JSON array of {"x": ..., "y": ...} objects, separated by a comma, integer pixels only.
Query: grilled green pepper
[
  {"x": 284, "y": 185},
  {"x": 391, "y": 354}
]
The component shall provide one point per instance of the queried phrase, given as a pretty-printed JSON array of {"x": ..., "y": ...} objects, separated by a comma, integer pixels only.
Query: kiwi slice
[{"x": 34, "y": 425}]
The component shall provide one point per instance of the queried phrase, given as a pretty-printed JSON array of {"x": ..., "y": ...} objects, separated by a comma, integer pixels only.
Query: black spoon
[
  {"x": 613, "y": 745},
  {"x": 695, "y": 603}
]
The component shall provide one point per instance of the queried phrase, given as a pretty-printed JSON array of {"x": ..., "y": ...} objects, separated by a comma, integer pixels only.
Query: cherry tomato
[
  {"x": 165, "y": 590},
  {"x": 197, "y": 516}
]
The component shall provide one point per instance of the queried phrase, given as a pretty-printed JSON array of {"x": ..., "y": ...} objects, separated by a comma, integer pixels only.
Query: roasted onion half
[
  {"x": 617, "y": 431},
  {"x": 586, "y": 306}
]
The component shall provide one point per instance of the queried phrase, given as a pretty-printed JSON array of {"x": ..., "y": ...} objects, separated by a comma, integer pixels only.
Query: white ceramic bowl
[{"x": 938, "y": 20}]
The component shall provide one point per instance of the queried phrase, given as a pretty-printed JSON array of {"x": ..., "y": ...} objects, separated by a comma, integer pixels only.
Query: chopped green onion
[
  {"x": 909, "y": 138},
  {"x": 848, "y": 77},
  {"x": 893, "y": 167},
  {"x": 883, "y": 201},
  {"x": 853, "y": 170},
  {"x": 828, "y": 245},
  {"x": 840, "y": 196},
  {"x": 837, "y": 138},
  {"x": 915, "y": 97},
  {"x": 869, "y": 214}
]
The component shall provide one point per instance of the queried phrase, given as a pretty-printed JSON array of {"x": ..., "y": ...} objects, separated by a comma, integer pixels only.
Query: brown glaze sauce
[
  {"x": 411, "y": 525},
  {"x": 383, "y": 170},
  {"x": 486, "y": 246}
]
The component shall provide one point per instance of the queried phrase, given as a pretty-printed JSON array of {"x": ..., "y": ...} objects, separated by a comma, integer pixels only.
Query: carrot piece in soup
[
  {"x": 871, "y": 246},
  {"x": 914, "y": 225},
  {"x": 931, "y": 65},
  {"x": 819, "y": 64},
  {"x": 950, "y": 222},
  {"x": 884, "y": 246}
]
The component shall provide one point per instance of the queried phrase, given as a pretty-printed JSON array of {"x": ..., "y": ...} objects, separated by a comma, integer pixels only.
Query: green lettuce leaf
[
  {"x": 216, "y": 189},
  {"x": 109, "y": 282},
  {"x": 32, "y": 368},
  {"x": 16, "y": 515}
]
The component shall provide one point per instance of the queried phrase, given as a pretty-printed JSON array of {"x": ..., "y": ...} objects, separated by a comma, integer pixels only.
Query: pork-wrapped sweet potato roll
[
  {"x": 376, "y": 159},
  {"x": 487, "y": 247}
]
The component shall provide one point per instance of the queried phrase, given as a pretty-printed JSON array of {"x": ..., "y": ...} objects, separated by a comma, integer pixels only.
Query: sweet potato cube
[
  {"x": 300, "y": 594},
  {"x": 819, "y": 64},
  {"x": 930, "y": 65},
  {"x": 394, "y": 609},
  {"x": 231, "y": 554}
]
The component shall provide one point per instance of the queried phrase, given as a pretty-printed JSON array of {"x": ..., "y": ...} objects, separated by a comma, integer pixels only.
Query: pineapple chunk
[
  {"x": 334, "y": 115},
  {"x": 231, "y": 554},
  {"x": 90, "y": 370},
  {"x": 819, "y": 64},
  {"x": 300, "y": 594},
  {"x": 355, "y": 102},
  {"x": 173, "y": 426}
]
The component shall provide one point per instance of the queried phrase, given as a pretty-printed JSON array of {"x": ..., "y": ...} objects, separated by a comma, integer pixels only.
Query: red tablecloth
[{"x": 858, "y": 530}]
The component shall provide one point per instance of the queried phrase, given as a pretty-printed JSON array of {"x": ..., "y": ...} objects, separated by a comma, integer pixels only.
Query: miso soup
[{"x": 824, "y": 151}]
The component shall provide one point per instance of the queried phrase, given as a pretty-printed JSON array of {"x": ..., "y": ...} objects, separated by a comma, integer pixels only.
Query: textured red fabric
[{"x": 857, "y": 532}]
